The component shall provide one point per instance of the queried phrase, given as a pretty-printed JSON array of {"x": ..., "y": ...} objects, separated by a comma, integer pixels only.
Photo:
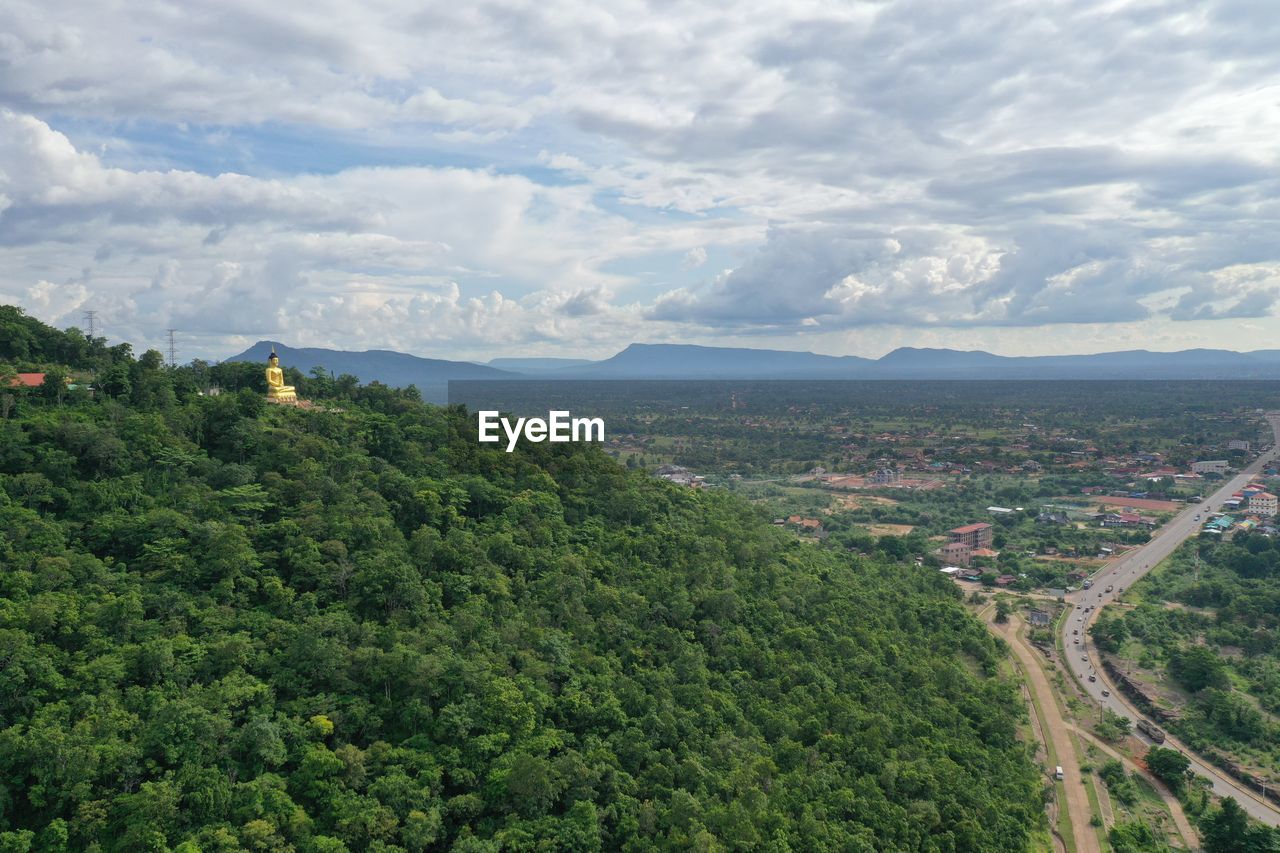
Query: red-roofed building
[
  {"x": 27, "y": 380},
  {"x": 1263, "y": 503},
  {"x": 974, "y": 535}
]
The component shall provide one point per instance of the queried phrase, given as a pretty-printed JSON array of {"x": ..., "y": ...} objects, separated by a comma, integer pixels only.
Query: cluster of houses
[
  {"x": 800, "y": 523},
  {"x": 1254, "y": 499},
  {"x": 1258, "y": 507},
  {"x": 1226, "y": 523}
]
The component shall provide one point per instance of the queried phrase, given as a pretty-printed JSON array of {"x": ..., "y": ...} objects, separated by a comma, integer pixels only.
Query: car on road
[
  {"x": 1075, "y": 630},
  {"x": 1084, "y": 658},
  {"x": 1093, "y": 678},
  {"x": 1076, "y": 641},
  {"x": 1106, "y": 693}
]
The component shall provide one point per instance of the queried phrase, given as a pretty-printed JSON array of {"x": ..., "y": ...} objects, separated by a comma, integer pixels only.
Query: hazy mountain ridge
[
  {"x": 699, "y": 362},
  {"x": 536, "y": 364},
  {"x": 430, "y": 375},
  {"x": 690, "y": 361}
]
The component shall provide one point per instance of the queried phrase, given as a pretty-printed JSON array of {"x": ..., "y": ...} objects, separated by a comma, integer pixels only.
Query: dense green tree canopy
[{"x": 230, "y": 626}]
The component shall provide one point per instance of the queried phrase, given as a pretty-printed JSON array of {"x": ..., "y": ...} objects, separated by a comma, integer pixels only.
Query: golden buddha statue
[{"x": 277, "y": 391}]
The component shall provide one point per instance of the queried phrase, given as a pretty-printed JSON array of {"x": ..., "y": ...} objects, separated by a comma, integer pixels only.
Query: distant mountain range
[
  {"x": 683, "y": 361},
  {"x": 431, "y": 375},
  {"x": 686, "y": 361},
  {"x": 538, "y": 365}
]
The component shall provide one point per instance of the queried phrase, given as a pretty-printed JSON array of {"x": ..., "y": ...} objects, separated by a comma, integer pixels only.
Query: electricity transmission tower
[
  {"x": 173, "y": 350},
  {"x": 89, "y": 319}
]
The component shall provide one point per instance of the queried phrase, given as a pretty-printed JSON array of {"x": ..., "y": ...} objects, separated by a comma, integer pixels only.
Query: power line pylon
[{"x": 173, "y": 350}]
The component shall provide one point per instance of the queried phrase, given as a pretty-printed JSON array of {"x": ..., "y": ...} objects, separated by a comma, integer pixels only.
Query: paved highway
[{"x": 1124, "y": 571}]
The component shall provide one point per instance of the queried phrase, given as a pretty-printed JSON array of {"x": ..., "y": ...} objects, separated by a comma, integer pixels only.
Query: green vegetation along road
[
  {"x": 1125, "y": 571},
  {"x": 1057, "y": 735}
]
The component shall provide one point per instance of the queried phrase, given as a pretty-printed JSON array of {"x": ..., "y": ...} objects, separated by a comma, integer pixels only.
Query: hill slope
[{"x": 230, "y": 626}]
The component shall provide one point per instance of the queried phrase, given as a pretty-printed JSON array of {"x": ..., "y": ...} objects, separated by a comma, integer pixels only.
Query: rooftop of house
[
  {"x": 27, "y": 380},
  {"x": 971, "y": 528}
]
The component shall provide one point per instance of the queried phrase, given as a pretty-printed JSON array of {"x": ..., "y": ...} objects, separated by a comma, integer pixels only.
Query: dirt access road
[{"x": 1055, "y": 728}]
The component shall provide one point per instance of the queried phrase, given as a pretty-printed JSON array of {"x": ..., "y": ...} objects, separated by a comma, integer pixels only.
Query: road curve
[{"x": 1122, "y": 573}]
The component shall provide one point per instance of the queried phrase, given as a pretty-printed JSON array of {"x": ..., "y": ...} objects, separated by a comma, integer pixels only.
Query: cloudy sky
[{"x": 482, "y": 178}]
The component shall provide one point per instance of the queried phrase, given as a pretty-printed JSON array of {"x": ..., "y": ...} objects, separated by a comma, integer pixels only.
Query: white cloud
[
  {"x": 906, "y": 165},
  {"x": 340, "y": 259}
]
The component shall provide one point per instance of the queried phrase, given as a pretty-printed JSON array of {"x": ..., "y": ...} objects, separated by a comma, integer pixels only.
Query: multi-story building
[
  {"x": 1264, "y": 504},
  {"x": 974, "y": 535},
  {"x": 1210, "y": 466}
]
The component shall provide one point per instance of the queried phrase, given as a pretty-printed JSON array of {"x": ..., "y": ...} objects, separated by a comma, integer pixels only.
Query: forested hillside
[{"x": 230, "y": 626}]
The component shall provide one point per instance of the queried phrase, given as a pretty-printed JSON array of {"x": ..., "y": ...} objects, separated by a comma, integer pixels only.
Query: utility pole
[
  {"x": 89, "y": 318},
  {"x": 173, "y": 351}
]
